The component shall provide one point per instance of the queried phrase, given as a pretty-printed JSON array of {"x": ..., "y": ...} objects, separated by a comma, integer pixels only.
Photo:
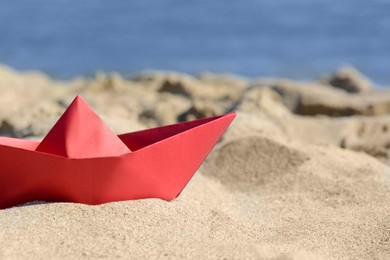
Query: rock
[
  {"x": 174, "y": 88},
  {"x": 163, "y": 109},
  {"x": 181, "y": 84},
  {"x": 36, "y": 121},
  {"x": 375, "y": 103},
  {"x": 7, "y": 129},
  {"x": 350, "y": 80},
  {"x": 369, "y": 135},
  {"x": 310, "y": 99},
  {"x": 315, "y": 99},
  {"x": 204, "y": 88},
  {"x": 231, "y": 81},
  {"x": 262, "y": 100},
  {"x": 104, "y": 83},
  {"x": 200, "y": 109},
  {"x": 229, "y": 87}
]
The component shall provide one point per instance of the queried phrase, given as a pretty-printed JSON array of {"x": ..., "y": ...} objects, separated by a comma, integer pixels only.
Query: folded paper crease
[{"x": 81, "y": 133}]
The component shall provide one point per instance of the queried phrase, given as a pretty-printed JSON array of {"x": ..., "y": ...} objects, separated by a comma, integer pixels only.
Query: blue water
[{"x": 299, "y": 39}]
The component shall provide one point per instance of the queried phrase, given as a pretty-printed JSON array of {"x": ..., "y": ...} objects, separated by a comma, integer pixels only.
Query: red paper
[{"x": 81, "y": 160}]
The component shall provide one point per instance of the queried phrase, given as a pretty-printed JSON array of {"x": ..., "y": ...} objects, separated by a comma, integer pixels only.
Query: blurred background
[{"x": 298, "y": 39}]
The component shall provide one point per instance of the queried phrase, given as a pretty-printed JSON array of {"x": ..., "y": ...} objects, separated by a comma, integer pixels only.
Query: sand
[{"x": 302, "y": 173}]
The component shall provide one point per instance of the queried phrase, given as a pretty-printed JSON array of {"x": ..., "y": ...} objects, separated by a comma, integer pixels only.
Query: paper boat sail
[{"x": 81, "y": 160}]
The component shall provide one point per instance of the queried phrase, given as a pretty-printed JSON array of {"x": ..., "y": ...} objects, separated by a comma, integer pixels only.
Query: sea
[{"x": 298, "y": 39}]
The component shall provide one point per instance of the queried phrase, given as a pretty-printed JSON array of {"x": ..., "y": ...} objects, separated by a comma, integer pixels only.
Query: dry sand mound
[
  {"x": 281, "y": 184},
  {"x": 250, "y": 163}
]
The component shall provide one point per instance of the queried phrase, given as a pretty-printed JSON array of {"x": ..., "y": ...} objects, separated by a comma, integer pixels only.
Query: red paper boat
[{"x": 81, "y": 160}]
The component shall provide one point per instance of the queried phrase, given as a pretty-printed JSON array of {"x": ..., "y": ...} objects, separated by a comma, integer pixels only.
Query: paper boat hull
[{"x": 160, "y": 165}]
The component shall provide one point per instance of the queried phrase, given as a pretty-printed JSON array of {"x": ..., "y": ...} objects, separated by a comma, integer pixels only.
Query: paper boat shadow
[{"x": 161, "y": 162}]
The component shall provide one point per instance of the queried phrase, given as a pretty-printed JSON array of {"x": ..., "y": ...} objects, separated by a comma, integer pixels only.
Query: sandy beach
[{"x": 302, "y": 173}]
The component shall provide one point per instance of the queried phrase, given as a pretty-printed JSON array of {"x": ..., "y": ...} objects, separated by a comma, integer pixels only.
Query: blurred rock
[
  {"x": 262, "y": 100},
  {"x": 35, "y": 121},
  {"x": 310, "y": 99},
  {"x": 369, "y": 135},
  {"x": 7, "y": 129},
  {"x": 315, "y": 99},
  {"x": 349, "y": 79},
  {"x": 174, "y": 88},
  {"x": 231, "y": 87},
  {"x": 203, "y": 88},
  {"x": 200, "y": 109},
  {"x": 164, "y": 109}
]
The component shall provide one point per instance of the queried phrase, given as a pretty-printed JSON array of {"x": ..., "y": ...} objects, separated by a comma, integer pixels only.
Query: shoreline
[{"x": 131, "y": 75}]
